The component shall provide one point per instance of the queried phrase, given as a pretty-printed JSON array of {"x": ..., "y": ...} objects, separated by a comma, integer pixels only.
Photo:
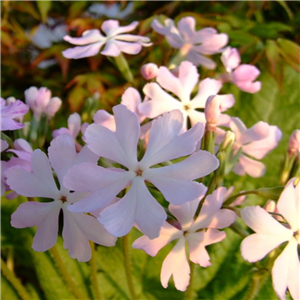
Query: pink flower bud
[
  {"x": 149, "y": 71},
  {"x": 294, "y": 143},
  {"x": 212, "y": 111}
]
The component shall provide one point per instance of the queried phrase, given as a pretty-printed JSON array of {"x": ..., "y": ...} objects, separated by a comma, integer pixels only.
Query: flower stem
[
  {"x": 128, "y": 266},
  {"x": 93, "y": 265},
  {"x": 189, "y": 291},
  {"x": 66, "y": 276},
  {"x": 14, "y": 281}
]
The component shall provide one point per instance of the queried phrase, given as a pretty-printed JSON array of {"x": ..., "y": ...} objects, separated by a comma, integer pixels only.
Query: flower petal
[
  {"x": 165, "y": 143},
  {"x": 83, "y": 51},
  {"x": 286, "y": 271},
  {"x": 167, "y": 234},
  {"x": 176, "y": 264},
  {"x": 39, "y": 183},
  {"x": 250, "y": 166},
  {"x": 88, "y": 37}
]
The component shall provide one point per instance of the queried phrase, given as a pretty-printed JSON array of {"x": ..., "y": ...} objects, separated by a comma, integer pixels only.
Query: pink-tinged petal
[
  {"x": 165, "y": 143},
  {"x": 83, "y": 51},
  {"x": 111, "y": 49},
  {"x": 128, "y": 48},
  {"x": 112, "y": 27},
  {"x": 62, "y": 155},
  {"x": 22, "y": 145},
  {"x": 243, "y": 135},
  {"x": 289, "y": 204},
  {"x": 167, "y": 234},
  {"x": 39, "y": 183},
  {"x": 286, "y": 271},
  {"x": 262, "y": 222},
  {"x": 74, "y": 124},
  {"x": 88, "y": 37},
  {"x": 200, "y": 60},
  {"x": 257, "y": 246},
  {"x": 102, "y": 117},
  {"x": 211, "y": 214},
  {"x": 104, "y": 183},
  {"x": 213, "y": 44},
  {"x": 186, "y": 27},
  {"x": 185, "y": 213},
  {"x": 207, "y": 87},
  {"x": 250, "y": 166},
  {"x": 258, "y": 149},
  {"x": 197, "y": 242},
  {"x": 176, "y": 264},
  {"x": 188, "y": 77},
  {"x": 86, "y": 156},
  {"x": 169, "y": 82},
  {"x": 43, "y": 215},
  {"x": 160, "y": 101},
  {"x": 248, "y": 86},
  {"x": 53, "y": 106},
  {"x": 78, "y": 230},
  {"x": 138, "y": 205},
  {"x": 134, "y": 39},
  {"x": 230, "y": 58}
]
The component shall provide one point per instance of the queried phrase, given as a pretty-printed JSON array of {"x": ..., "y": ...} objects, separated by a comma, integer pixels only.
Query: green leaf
[
  {"x": 290, "y": 52},
  {"x": 44, "y": 7},
  {"x": 7, "y": 291},
  {"x": 272, "y": 53}
]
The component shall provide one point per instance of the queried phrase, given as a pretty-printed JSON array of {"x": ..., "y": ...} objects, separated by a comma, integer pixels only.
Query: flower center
[
  {"x": 139, "y": 172},
  {"x": 63, "y": 199},
  {"x": 297, "y": 235}
]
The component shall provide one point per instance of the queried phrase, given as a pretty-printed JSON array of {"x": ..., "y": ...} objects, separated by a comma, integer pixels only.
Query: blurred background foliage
[{"x": 267, "y": 34}]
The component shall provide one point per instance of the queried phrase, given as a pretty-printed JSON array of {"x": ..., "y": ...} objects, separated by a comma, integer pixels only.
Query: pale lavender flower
[
  {"x": 10, "y": 111},
  {"x": 269, "y": 234},
  {"x": 197, "y": 234},
  {"x": 242, "y": 76},
  {"x": 78, "y": 229},
  {"x": 138, "y": 205},
  {"x": 115, "y": 41},
  {"x": 41, "y": 102},
  {"x": 192, "y": 44},
  {"x": 181, "y": 86}
]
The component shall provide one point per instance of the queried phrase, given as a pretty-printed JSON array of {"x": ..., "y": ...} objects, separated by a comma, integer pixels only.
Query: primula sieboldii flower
[
  {"x": 115, "y": 41},
  {"x": 241, "y": 75},
  {"x": 78, "y": 229},
  {"x": 192, "y": 44},
  {"x": 255, "y": 142},
  {"x": 149, "y": 71},
  {"x": 182, "y": 86},
  {"x": 41, "y": 102},
  {"x": 10, "y": 111},
  {"x": 111, "y": 10},
  {"x": 269, "y": 234},
  {"x": 196, "y": 233},
  {"x": 138, "y": 205}
]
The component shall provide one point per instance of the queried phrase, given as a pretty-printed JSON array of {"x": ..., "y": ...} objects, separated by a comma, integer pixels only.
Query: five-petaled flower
[
  {"x": 175, "y": 181},
  {"x": 197, "y": 233},
  {"x": 193, "y": 44},
  {"x": 115, "y": 41},
  {"x": 269, "y": 234}
]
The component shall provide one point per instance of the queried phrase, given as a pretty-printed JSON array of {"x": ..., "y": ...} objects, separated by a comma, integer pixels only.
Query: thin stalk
[
  {"x": 66, "y": 276},
  {"x": 93, "y": 265},
  {"x": 128, "y": 266},
  {"x": 232, "y": 198},
  {"x": 14, "y": 281},
  {"x": 189, "y": 291}
]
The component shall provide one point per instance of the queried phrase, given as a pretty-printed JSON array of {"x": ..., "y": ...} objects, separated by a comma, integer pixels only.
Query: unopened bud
[
  {"x": 227, "y": 141},
  {"x": 149, "y": 71},
  {"x": 212, "y": 112},
  {"x": 294, "y": 143}
]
